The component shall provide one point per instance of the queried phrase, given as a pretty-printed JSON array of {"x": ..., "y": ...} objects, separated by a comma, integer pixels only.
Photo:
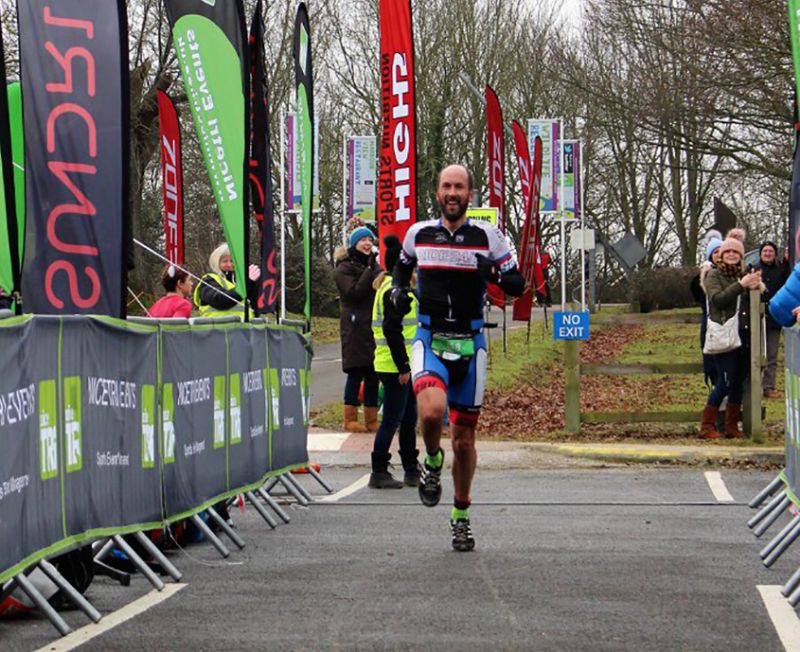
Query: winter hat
[
  {"x": 732, "y": 244},
  {"x": 713, "y": 245},
  {"x": 768, "y": 243},
  {"x": 392, "y": 252},
  {"x": 216, "y": 256},
  {"x": 360, "y": 232}
]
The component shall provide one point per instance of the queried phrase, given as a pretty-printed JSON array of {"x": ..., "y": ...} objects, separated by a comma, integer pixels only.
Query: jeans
[
  {"x": 353, "y": 384},
  {"x": 399, "y": 410},
  {"x": 773, "y": 342},
  {"x": 732, "y": 368}
]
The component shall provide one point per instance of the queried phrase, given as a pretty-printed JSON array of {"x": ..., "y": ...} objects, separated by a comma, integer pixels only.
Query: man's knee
[
  {"x": 463, "y": 440},
  {"x": 431, "y": 415}
]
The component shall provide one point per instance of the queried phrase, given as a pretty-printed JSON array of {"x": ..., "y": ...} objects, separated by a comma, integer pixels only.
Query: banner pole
[
  {"x": 283, "y": 213},
  {"x": 579, "y": 145},
  {"x": 560, "y": 207}
]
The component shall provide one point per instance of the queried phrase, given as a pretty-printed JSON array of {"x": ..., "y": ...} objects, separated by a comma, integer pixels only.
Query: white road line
[
  {"x": 87, "y": 633},
  {"x": 718, "y": 488},
  {"x": 783, "y": 616},
  {"x": 326, "y": 441},
  {"x": 347, "y": 491}
]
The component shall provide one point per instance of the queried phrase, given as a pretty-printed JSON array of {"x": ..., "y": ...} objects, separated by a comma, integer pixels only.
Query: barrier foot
[
  {"x": 226, "y": 528},
  {"x": 770, "y": 489},
  {"x": 159, "y": 556},
  {"x": 213, "y": 538},
  {"x": 71, "y": 592},
  {"x": 261, "y": 510},
  {"x": 787, "y": 541},
  {"x": 794, "y": 598},
  {"x": 766, "y": 550},
  {"x": 293, "y": 489},
  {"x": 314, "y": 474},
  {"x": 772, "y": 517},
  {"x": 791, "y": 585},
  {"x": 270, "y": 484},
  {"x": 289, "y": 477},
  {"x": 766, "y": 510},
  {"x": 42, "y": 605},
  {"x": 140, "y": 563},
  {"x": 274, "y": 505},
  {"x": 101, "y": 568}
]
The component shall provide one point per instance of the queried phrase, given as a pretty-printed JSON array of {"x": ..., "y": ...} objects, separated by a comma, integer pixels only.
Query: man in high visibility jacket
[
  {"x": 215, "y": 295},
  {"x": 393, "y": 336}
]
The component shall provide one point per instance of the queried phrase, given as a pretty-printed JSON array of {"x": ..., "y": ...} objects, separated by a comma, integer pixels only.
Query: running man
[{"x": 455, "y": 258}]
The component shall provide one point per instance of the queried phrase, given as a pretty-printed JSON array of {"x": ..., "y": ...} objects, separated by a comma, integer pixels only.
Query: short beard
[{"x": 462, "y": 209}]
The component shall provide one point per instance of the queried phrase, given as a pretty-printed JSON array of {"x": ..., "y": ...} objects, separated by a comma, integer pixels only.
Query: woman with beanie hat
[
  {"x": 356, "y": 269},
  {"x": 726, "y": 287},
  {"x": 697, "y": 288}
]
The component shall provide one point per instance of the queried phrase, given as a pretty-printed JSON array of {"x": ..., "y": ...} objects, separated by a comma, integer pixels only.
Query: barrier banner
[
  {"x": 791, "y": 472},
  {"x": 211, "y": 44},
  {"x": 171, "y": 177},
  {"x": 289, "y": 357},
  {"x": 248, "y": 458},
  {"x": 261, "y": 166},
  {"x": 194, "y": 413},
  {"x": 397, "y": 174},
  {"x": 31, "y": 517},
  {"x": 110, "y": 469},
  {"x": 74, "y": 69}
]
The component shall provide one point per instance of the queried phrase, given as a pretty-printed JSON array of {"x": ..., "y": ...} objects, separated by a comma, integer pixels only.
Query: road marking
[
  {"x": 323, "y": 360},
  {"x": 347, "y": 491},
  {"x": 783, "y": 616},
  {"x": 135, "y": 608},
  {"x": 718, "y": 488},
  {"x": 326, "y": 441}
]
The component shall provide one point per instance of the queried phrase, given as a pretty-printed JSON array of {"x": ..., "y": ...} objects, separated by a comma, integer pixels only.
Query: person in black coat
[
  {"x": 773, "y": 274},
  {"x": 356, "y": 269}
]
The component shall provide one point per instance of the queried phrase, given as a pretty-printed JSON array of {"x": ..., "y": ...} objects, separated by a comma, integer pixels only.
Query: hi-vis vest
[
  {"x": 210, "y": 311},
  {"x": 383, "y": 356}
]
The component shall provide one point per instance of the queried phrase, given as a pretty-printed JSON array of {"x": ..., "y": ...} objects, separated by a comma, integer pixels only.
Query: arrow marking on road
[
  {"x": 783, "y": 616},
  {"x": 87, "y": 633},
  {"x": 718, "y": 488}
]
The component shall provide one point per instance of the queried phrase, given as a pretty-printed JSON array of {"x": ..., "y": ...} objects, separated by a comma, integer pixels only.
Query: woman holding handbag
[{"x": 726, "y": 287}]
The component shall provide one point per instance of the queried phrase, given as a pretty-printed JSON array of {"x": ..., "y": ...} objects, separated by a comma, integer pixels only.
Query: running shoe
[
  {"x": 430, "y": 486},
  {"x": 463, "y": 541}
]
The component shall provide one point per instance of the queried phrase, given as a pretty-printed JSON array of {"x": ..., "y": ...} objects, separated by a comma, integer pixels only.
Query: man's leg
[
  {"x": 430, "y": 406},
  {"x": 465, "y": 459}
]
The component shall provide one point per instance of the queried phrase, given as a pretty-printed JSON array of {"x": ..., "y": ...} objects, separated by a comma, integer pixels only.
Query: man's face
[
  {"x": 768, "y": 255},
  {"x": 453, "y": 193}
]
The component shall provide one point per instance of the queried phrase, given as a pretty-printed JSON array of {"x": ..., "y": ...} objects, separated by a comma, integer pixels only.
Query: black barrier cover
[
  {"x": 248, "y": 457},
  {"x": 30, "y": 464},
  {"x": 74, "y": 69},
  {"x": 194, "y": 417},
  {"x": 109, "y": 433},
  {"x": 290, "y": 379}
]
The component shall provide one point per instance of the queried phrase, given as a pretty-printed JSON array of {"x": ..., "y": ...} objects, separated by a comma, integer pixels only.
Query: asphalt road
[{"x": 566, "y": 559}]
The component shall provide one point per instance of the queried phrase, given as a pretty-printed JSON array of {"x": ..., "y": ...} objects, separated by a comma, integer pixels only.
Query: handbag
[{"x": 721, "y": 338}]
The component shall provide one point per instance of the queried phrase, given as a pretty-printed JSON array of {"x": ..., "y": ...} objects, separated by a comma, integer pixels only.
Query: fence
[{"x": 109, "y": 427}]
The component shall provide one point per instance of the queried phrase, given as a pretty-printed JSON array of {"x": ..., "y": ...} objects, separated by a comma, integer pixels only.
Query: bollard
[
  {"x": 752, "y": 408},
  {"x": 572, "y": 385}
]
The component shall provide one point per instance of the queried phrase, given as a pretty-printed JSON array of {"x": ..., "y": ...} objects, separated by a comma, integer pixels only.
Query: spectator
[
  {"x": 724, "y": 286},
  {"x": 773, "y": 274},
  {"x": 356, "y": 270},
  {"x": 697, "y": 287},
  {"x": 175, "y": 303},
  {"x": 216, "y": 294},
  {"x": 393, "y": 336}
]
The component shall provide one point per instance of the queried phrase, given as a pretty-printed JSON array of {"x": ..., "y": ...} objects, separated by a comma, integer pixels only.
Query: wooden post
[
  {"x": 572, "y": 385},
  {"x": 752, "y": 407}
]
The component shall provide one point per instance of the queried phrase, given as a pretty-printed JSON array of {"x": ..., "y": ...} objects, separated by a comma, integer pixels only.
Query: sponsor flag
[
  {"x": 18, "y": 159},
  {"x": 74, "y": 68},
  {"x": 9, "y": 226},
  {"x": 171, "y": 177},
  {"x": 531, "y": 265},
  {"x": 261, "y": 166},
  {"x": 361, "y": 168},
  {"x": 549, "y": 132},
  {"x": 794, "y": 192},
  {"x": 497, "y": 184},
  {"x": 303, "y": 76},
  {"x": 570, "y": 180},
  {"x": 397, "y": 176},
  {"x": 211, "y": 43}
]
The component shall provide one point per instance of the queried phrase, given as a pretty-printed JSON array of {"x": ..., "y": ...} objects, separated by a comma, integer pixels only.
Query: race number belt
[{"x": 449, "y": 346}]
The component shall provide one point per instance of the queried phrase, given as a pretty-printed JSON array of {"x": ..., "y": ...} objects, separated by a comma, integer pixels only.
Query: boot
[
  {"x": 370, "y": 419},
  {"x": 411, "y": 468},
  {"x": 732, "y": 415},
  {"x": 380, "y": 478},
  {"x": 708, "y": 423},
  {"x": 351, "y": 423}
]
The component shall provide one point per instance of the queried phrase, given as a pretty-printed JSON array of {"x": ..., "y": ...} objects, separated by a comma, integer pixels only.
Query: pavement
[{"x": 352, "y": 449}]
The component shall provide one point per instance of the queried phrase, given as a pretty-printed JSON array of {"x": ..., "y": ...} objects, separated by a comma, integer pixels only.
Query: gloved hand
[
  {"x": 487, "y": 269},
  {"x": 400, "y": 298}
]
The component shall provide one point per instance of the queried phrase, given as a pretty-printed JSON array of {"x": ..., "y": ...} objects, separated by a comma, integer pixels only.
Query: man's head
[
  {"x": 454, "y": 192},
  {"x": 769, "y": 252}
]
